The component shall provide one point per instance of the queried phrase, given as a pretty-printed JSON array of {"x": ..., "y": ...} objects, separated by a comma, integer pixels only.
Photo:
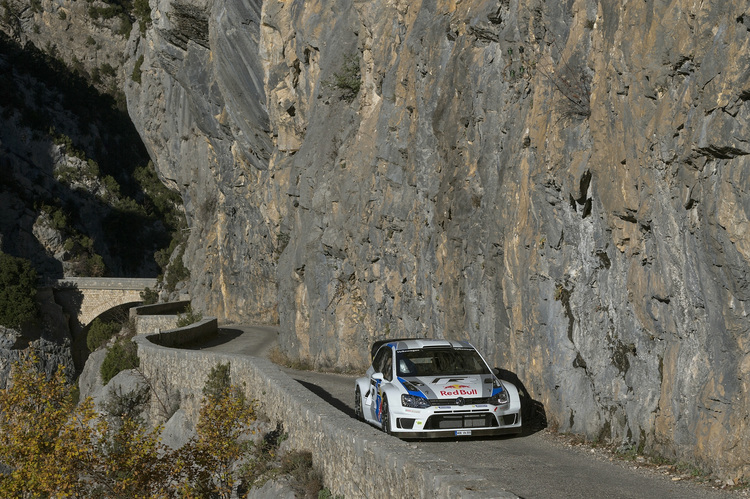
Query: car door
[
  {"x": 387, "y": 378},
  {"x": 376, "y": 379}
]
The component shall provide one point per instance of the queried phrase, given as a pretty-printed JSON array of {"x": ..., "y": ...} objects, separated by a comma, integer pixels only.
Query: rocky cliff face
[
  {"x": 565, "y": 184},
  {"x": 77, "y": 197},
  {"x": 73, "y": 174}
]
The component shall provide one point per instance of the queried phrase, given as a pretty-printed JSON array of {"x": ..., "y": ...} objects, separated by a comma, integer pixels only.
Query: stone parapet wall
[
  {"x": 135, "y": 284},
  {"x": 356, "y": 459},
  {"x": 168, "y": 308},
  {"x": 185, "y": 335},
  {"x": 150, "y": 324},
  {"x": 158, "y": 317}
]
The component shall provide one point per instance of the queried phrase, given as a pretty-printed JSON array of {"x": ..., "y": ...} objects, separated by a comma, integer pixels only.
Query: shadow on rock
[
  {"x": 326, "y": 396},
  {"x": 533, "y": 414}
]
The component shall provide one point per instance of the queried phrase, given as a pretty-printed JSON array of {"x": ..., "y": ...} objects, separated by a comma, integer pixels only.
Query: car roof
[{"x": 418, "y": 343}]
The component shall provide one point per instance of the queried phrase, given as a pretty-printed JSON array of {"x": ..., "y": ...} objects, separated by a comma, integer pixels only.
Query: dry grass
[{"x": 280, "y": 358}]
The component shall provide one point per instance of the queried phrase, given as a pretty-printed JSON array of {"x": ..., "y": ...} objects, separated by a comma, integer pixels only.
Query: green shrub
[
  {"x": 92, "y": 168},
  {"x": 189, "y": 317},
  {"x": 17, "y": 291},
  {"x": 149, "y": 296},
  {"x": 218, "y": 382},
  {"x": 100, "y": 332},
  {"x": 166, "y": 203},
  {"x": 107, "y": 70},
  {"x": 112, "y": 187},
  {"x": 59, "y": 220},
  {"x": 120, "y": 356},
  {"x": 136, "y": 76},
  {"x": 94, "y": 266},
  {"x": 54, "y": 447},
  {"x": 348, "y": 79},
  {"x": 142, "y": 12},
  {"x": 177, "y": 271},
  {"x": 125, "y": 26},
  {"x": 107, "y": 12}
]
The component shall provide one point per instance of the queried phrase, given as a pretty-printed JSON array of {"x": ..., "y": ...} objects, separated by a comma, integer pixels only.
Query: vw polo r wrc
[{"x": 420, "y": 388}]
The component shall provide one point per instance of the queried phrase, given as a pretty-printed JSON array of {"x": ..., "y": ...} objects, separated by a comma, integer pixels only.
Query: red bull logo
[{"x": 458, "y": 390}]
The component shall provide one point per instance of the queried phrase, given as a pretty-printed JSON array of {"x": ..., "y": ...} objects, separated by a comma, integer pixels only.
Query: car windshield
[{"x": 440, "y": 361}]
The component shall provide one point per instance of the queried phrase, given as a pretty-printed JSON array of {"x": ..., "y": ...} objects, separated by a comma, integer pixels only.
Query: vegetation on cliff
[
  {"x": 17, "y": 291},
  {"x": 104, "y": 203},
  {"x": 51, "y": 446}
]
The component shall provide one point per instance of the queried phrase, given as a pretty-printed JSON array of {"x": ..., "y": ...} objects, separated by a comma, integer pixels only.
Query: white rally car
[{"x": 419, "y": 388}]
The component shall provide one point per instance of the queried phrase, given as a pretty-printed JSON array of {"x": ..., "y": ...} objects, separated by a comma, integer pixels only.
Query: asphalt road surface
[{"x": 537, "y": 464}]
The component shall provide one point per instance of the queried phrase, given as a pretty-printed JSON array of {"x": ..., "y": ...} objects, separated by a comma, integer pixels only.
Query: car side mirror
[
  {"x": 377, "y": 376},
  {"x": 496, "y": 371}
]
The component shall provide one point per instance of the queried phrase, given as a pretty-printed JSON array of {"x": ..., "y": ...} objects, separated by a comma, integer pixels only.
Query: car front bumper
[{"x": 468, "y": 421}]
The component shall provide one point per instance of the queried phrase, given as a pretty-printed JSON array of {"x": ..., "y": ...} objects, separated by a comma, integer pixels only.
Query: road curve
[{"x": 537, "y": 464}]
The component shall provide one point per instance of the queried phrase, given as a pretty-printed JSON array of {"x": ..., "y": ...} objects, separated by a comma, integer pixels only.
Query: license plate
[{"x": 460, "y": 433}]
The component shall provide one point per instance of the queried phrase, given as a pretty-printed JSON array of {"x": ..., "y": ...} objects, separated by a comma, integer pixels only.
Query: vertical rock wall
[
  {"x": 201, "y": 109},
  {"x": 561, "y": 183}
]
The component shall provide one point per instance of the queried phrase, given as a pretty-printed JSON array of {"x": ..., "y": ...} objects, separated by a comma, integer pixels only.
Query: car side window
[
  {"x": 379, "y": 361},
  {"x": 388, "y": 368}
]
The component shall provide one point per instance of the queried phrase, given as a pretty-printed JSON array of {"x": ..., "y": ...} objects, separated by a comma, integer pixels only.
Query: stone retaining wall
[
  {"x": 357, "y": 461},
  {"x": 156, "y": 309},
  {"x": 178, "y": 337},
  {"x": 150, "y": 324},
  {"x": 157, "y": 317}
]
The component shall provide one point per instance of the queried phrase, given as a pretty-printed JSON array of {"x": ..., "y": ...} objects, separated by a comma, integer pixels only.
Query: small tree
[
  {"x": 43, "y": 439},
  {"x": 132, "y": 462},
  {"x": 17, "y": 291},
  {"x": 218, "y": 382},
  {"x": 207, "y": 460},
  {"x": 54, "y": 449}
]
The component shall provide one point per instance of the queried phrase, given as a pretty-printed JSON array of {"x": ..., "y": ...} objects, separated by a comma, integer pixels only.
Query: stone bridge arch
[{"x": 89, "y": 297}]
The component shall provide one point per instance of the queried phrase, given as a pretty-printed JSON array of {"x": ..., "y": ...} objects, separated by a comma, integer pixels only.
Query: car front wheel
[
  {"x": 358, "y": 404},
  {"x": 386, "y": 418}
]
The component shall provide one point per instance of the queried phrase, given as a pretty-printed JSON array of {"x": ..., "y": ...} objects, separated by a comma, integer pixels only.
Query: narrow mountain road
[{"x": 537, "y": 464}]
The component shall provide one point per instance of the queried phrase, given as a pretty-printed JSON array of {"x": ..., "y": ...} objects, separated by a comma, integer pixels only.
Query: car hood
[{"x": 449, "y": 387}]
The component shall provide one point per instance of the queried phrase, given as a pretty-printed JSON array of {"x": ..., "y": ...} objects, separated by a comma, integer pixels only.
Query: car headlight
[
  {"x": 414, "y": 401},
  {"x": 501, "y": 397}
]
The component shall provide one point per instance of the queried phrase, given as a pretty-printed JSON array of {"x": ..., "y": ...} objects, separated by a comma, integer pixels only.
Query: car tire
[
  {"x": 358, "y": 405},
  {"x": 386, "y": 417}
]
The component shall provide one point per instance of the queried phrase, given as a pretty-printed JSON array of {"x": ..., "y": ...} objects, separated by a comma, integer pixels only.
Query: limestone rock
[
  {"x": 278, "y": 488},
  {"x": 178, "y": 430},
  {"x": 562, "y": 183},
  {"x": 90, "y": 381}
]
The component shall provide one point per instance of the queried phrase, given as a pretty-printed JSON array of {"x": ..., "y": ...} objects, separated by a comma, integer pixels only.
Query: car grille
[
  {"x": 466, "y": 401},
  {"x": 451, "y": 421}
]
